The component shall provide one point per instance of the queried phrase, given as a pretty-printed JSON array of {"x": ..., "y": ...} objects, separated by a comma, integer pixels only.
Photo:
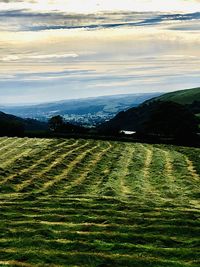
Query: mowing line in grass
[
  {"x": 10, "y": 144},
  {"x": 98, "y": 203},
  {"x": 83, "y": 177},
  {"x": 64, "y": 176},
  {"x": 36, "y": 166},
  {"x": 99, "y": 176},
  {"x": 118, "y": 177},
  {"x": 162, "y": 175},
  {"x": 148, "y": 185},
  {"x": 191, "y": 170},
  {"x": 20, "y": 145},
  {"x": 15, "y": 263},
  {"x": 89, "y": 185},
  {"x": 139, "y": 257},
  {"x": 24, "y": 153},
  {"x": 3, "y": 141},
  {"x": 58, "y": 178},
  {"x": 25, "y": 170}
]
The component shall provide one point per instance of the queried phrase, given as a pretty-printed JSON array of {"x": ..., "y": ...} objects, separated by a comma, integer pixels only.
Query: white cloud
[
  {"x": 52, "y": 62},
  {"x": 89, "y": 6},
  {"x": 10, "y": 58},
  {"x": 73, "y": 55}
]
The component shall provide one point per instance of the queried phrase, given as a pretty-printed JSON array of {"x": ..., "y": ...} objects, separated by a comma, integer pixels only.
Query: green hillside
[
  {"x": 176, "y": 108},
  {"x": 98, "y": 203},
  {"x": 11, "y": 125},
  {"x": 183, "y": 97}
]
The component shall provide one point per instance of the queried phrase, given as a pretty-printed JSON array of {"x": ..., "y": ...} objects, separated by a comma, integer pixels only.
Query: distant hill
[
  {"x": 12, "y": 125},
  {"x": 189, "y": 98},
  {"x": 135, "y": 119},
  {"x": 184, "y": 97},
  {"x": 89, "y": 111}
]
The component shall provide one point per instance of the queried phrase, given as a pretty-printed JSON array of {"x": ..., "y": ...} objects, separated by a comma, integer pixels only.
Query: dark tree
[{"x": 56, "y": 123}]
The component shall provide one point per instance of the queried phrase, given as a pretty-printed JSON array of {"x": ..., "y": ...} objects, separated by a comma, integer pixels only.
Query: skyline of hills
[
  {"x": 136, "y": 118},
  {"x": 89, "y": 111}
]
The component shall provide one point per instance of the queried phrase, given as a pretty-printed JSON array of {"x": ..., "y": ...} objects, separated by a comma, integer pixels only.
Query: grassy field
[
  {"x": 97, "y": 203},
  {"x": 183, "y": 97}
]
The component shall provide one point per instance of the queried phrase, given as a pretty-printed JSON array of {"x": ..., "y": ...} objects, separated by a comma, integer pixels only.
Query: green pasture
[{"x": 98, "y": 203}]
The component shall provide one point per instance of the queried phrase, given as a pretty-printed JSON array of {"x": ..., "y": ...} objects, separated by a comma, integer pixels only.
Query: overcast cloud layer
[{"x": 52, "y": 50}]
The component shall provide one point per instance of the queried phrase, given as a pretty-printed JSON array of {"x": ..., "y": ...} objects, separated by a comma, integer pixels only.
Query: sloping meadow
[{"x": 98, "y": 203}]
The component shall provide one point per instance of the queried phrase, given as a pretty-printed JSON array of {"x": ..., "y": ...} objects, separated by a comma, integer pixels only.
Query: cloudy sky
[{"x": 53, "y": 50}]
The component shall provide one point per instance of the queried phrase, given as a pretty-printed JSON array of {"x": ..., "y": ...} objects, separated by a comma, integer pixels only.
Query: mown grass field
[{"x": 98, "y": 203}]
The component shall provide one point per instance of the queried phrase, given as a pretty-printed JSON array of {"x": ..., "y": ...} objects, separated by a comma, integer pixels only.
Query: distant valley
[
  {"x": 172, "y": 117},
  {"x": 87, "y": 112}
]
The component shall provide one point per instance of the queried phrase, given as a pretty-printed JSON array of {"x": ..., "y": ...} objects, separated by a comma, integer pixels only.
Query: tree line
[{"x": 153, "y": 122}]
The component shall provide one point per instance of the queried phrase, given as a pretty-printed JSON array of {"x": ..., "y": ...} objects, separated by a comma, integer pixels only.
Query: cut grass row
[{"x": 95, "y": 203}]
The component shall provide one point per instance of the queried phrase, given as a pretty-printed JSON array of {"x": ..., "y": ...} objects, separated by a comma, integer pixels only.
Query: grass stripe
[
  {"x": 18, "y": 157},
  {"x": 191, "y": 169},
  {"x": 9, "y": 145},
  {"x": 63, "y": 174},
  {"x": 138, "y": 257},
  {"x": 3, "y": 141},
  {"x": 88, "y": 179},
  {"x": 15, "y": 263},
  {"x": 36, "y": 166},
  {"x": 83, "y": 177},
  {"x": 102, "y": 184},
  {"x": 98, "y": 203}
]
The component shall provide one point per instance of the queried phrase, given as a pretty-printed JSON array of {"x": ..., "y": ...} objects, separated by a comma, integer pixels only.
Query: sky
[{"x": 56, "y": 50}]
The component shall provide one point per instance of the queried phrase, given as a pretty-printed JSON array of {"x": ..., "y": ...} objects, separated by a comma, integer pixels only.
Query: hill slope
[
  {"x": 184, "y": 97},
  {"x": 134, "y": 119},
  {"x": 13, "y": 125},
  {"x": 95, "y": 203}
]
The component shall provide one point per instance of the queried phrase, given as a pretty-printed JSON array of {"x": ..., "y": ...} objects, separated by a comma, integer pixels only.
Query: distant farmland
[{"x": 98, "y": 203}]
